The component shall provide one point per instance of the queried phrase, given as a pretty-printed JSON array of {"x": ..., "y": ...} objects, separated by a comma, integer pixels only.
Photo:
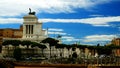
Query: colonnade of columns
[{"x": 29, "y": 29}]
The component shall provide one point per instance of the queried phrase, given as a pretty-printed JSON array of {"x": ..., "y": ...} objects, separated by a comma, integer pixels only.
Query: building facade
[
  {"x": 116, "y": 42},
  {"x": 32, "y": 28},
  {"x": 11, "y": 33}
]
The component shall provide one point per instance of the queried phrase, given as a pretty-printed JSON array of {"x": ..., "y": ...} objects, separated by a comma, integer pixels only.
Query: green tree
[
  {"x": 82, "y": 48},
  {"x": 74, "y": 57},
  {"x": 35, "y": 44},
  {"x": 108, "y": 50},
  {"x": 61, "y": 47},
  {"x": 68, "y": 47},
  {"x": 73, "y": 47},
  {"x": 42, "y": 48},
  {"x": 114, "y": 48},
  {"x": 100, "y": 50},
  {"x": 92, "y": 49},
  {"x": 26, "y": 42},
  {"x": 104, "y": 50},
  {"x": 51, "y": 42},
  {"x": 17, "y": 54},
  {"x": 15, "y": 43},
  {"x": 6, "y": 43}
]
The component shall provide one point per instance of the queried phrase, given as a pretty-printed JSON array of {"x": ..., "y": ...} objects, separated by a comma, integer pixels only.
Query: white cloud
[
  {"x": 101, "y": 21},
  {"x": 10, "y": 20},
  {"x": 89, "y": 40},
  {"x": 57, "y": 33},
  {"x": 18, "y": 7},
  {"x": 96, "y": 38},
  {"x": 95, "y": 21},
  {"x": 69, "y": 39},
  {"x": 55, "y": 29}
]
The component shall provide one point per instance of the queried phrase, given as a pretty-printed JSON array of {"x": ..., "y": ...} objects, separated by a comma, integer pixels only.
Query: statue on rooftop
[{"x": 31, "y": 13}]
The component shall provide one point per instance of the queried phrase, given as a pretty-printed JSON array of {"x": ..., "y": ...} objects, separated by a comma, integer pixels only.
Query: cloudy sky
[{"x": 83, "y": 21}]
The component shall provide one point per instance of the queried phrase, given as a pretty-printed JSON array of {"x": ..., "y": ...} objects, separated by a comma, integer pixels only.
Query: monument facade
[{"x": 32, "y": 28}]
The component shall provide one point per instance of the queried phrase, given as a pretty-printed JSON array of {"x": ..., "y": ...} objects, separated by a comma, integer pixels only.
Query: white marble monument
[{"x": 32, "y": 28}]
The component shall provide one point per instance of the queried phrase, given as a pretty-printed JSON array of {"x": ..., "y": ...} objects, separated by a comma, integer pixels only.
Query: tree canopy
[
  {"x": 12, "y": 42},
  {"x": 27, "y": 43},
  {"x": 51, "y": 41}
]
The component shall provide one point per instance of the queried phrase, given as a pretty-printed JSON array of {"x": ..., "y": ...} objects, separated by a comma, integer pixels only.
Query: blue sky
[{"x": 84, "y": 21}]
